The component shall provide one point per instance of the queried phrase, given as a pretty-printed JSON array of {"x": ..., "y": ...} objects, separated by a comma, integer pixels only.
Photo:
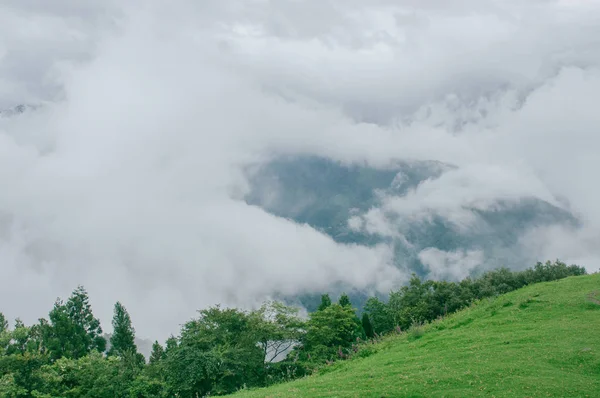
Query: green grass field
[{"x": 540, "y": 341}]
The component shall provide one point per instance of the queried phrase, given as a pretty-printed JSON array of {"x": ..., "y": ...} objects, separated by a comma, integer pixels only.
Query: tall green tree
[
  {"x": 123, "y": 338},
  {"x": 344, "y": 300},
  {"x": 157, "y": 354},
  {"x": 154, "y": 371},
  {"x": 325, "y": 302},
  {"x": 80, "y": 310},
  {"x": 171, "y": 344},
  {"x": 379, "y": 315},
  {"x": 73, "y": 330},
  {"x": 367, "y": 327},
  {"x": 3, "y": 323},
  {"x": 330, "y": 330}
]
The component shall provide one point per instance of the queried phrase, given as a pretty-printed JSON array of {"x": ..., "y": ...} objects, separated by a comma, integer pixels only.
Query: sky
[{"x": 126, "y": 172}]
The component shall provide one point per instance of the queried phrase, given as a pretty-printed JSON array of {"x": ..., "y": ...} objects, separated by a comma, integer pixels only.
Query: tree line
[{"x": 225, "y": 349}]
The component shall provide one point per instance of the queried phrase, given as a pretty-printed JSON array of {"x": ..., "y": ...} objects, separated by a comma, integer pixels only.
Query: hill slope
[{"x": 540, "y": 341}]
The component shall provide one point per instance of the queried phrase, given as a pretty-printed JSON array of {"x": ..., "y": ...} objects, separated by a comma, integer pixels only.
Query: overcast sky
[{"x": 127, "y": 177}]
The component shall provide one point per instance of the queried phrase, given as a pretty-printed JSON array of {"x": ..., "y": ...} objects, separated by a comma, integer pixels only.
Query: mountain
[{"x": 328, "y": 195}]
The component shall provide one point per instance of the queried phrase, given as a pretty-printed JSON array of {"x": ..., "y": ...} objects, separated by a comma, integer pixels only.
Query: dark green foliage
[
  {"x": 20, "y": 360},
  {"x": 73, "y": 331},
  {"x": 330, "y": 330},
  {"x": 21, "y": 373},
  {"x": 171, "y": 344},
  {"x": 367, "y": 326},
  {"x": 379, "y": 315},
  {"x": 158, "y": 353},
  {"x": 423, "y": 301},
  {"x": 217, "y": 354},
  {"x": 19, "y": 338},
  {"x": 344, "y": 300},
  {"x": 148, "y": 386},
  {"x": 123, "y": 337},
  {"x": 325, "y": 302},
  {"x": 91, "y": 376},
  {"x": 80, "y": 311},
  {"x": 3, "y": 323}
]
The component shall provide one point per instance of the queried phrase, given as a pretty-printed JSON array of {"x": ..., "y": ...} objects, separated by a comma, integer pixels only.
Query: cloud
[
  {"x": 129, "y": 177},
  {"x": 443, "y": 265}
]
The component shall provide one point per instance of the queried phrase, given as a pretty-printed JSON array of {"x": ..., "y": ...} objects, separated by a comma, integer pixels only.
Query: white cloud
[
  {"x": 571, "y": 245},
  {"x": 456, "y": 265},
  {"x": 129, "y": 178},
  {"x": 355, "y": 223}
]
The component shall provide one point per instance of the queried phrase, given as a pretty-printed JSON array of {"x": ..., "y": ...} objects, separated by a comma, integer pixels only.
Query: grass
[{"x": 540, "y": 341}]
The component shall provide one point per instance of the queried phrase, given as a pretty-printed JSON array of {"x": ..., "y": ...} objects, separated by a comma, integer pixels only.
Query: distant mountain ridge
[{"x": 326, "y": 194}]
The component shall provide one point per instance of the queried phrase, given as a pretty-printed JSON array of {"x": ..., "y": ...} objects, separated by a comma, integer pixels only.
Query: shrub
[{"x": 416, "y": 331}]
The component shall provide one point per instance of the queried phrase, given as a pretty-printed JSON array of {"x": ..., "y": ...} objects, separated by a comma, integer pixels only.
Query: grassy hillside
[{"x": 540, "y": 341}]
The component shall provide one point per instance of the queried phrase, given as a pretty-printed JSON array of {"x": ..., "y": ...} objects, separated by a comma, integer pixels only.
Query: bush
[
  {"x": 416, "y": 331},
  {"x": 366, "y": 351}
]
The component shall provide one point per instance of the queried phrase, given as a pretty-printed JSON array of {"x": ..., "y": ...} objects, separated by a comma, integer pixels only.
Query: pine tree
[
  {"x": 171, "y": 344},
  {"x": 158, "y": 353},
  {"x": 123, "y": 337},
  {"x": 325, "y": 302},
  {"x": 3, "y": 323},
  {"x": 367, "y": 327},
  {"x": 344, "y": 300},
  {"x": 73, "y": 331},
  {"x": 80, "y": 311}
]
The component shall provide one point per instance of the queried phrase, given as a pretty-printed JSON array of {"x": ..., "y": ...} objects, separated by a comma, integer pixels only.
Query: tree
[
  {"x": 9, "y": 387},
  {"x": 217, "y": 353},
  {"x": 21, "y": 368},
  {"x": 3, "y": 323},
  {"x": 330, "y": 330},
  {"x": 325, "y": 302},
  {"x": 367, "y": 327},
  {"x": 278, "y": 328},
  {"x": 344, "y": 300},
  {"x": 147, "y": 386},
  {"x": 158, "y": 353},
  {"x": 80, "y": 310},
  {"x": 90, "y": 376},
  {"x": 171, "y": 344},
  {"x": 379, "y": 315},
  {"x": 123, "y": 337},
  {"x": 411, "y": 304},
  {"x": 73, "y": 331},
  {"x": 19, "y": 338}
]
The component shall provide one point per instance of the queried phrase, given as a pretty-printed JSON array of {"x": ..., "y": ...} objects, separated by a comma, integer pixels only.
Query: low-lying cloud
[{"x": 128, "y": 176}]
